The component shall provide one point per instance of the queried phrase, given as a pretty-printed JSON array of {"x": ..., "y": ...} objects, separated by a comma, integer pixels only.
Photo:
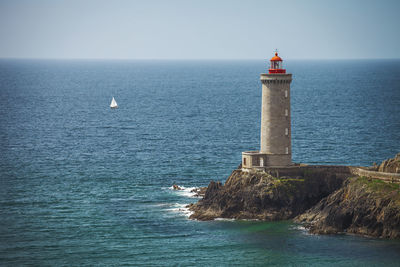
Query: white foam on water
[
  {"x": 161, "y": 205},
  {"x": 185, "y": 191},
  {"x": 298, "y": 227},
  {"x": 301, "y": 228},
  {"x": 225, "y": 219},
  {"x": 180, "y": 209}
]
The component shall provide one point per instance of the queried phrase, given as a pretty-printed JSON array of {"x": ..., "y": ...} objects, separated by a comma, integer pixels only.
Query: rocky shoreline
[
  {"x": 361, "y": 206},
  {"x": 324, "y": 200}
]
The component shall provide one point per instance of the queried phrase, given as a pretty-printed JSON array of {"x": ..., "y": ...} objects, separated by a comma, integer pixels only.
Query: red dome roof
[{"x": 276, "y": 57}]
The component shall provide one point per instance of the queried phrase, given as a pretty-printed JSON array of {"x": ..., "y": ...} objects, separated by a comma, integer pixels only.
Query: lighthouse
[{"x": 275, "y": 144}]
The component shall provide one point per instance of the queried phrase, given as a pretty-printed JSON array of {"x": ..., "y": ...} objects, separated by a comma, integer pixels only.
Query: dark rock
[
  {"x": 362, "y": 206},
  {"x": 199, "y": 191},
  {"x": 262, "y": 196},
  {"x": 176, "y": 187}
]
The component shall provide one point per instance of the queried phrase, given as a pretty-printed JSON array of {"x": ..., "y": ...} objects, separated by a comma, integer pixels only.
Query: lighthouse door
[{"x": 261, "y": 162}]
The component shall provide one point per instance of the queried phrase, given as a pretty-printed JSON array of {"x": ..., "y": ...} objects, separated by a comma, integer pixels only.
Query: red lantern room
[{"x": 276, "y": 65}]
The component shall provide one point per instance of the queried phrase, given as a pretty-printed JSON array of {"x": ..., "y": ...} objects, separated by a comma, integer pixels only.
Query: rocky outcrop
[
  {"x": 326, "y": 199},
  {"x": 390, "y": 165},
  {"x": 362, "y": 206},
  {"x": 176, "y": 187},
  {"x": 199, "y": 191},
  {"x": 261, "y": 196}
]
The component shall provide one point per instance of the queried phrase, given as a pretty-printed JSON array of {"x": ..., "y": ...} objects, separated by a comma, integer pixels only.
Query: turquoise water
[{"x": 81, "y": 184}]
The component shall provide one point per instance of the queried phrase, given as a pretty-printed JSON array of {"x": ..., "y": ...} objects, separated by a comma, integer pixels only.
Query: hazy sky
[{"x": 203, "y": 29}]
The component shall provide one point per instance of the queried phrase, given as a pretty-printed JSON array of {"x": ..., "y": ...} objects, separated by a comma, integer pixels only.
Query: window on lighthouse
[{"x": 275, "y": 64}]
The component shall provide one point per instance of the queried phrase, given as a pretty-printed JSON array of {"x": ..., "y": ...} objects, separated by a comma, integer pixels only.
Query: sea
[{"x": 85, "y": 185}]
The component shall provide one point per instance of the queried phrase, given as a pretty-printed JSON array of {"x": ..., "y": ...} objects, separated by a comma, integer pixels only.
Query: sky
[{"x": 199, "y": 29}]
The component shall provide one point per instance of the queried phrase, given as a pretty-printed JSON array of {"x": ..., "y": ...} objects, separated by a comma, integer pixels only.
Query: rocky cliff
[
  {"x": 362, "y": 206},
  {"x": 262, "y": 196},
  {"x": 390, "y": 165},
  {"x": 326, "y": 199}
]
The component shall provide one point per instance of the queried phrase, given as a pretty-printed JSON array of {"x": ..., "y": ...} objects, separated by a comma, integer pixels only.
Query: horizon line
[{"x": 186, "y": 59}]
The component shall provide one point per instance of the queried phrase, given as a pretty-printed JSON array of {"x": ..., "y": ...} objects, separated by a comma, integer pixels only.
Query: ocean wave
[
  {"x": 185, "y": 191},
  {"x": 300, "y": 228},
  {"x": 180, "y": 209}
]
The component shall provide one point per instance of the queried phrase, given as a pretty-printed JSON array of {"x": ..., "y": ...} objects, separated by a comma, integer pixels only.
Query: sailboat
[{"x": 113, "y": 103}]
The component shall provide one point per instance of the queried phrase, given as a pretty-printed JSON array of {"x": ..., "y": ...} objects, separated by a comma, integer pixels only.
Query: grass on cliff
[
  {"x": 289, "y": 185},
  {"x": 379, "y": 187}
]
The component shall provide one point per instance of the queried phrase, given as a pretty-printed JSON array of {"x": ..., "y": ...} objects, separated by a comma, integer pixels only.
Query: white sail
[{"x": 113, "y": 103}]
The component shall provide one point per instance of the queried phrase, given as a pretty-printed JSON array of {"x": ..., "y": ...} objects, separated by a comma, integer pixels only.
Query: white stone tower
[{"x": 276, "y": 149}]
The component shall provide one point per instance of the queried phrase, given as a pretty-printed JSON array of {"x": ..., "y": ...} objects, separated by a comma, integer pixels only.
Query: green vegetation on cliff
[
  {"x": 262, "y": 196},
  {"x": 362, "y": 206},
  {"x": 377, "y": 186}
]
